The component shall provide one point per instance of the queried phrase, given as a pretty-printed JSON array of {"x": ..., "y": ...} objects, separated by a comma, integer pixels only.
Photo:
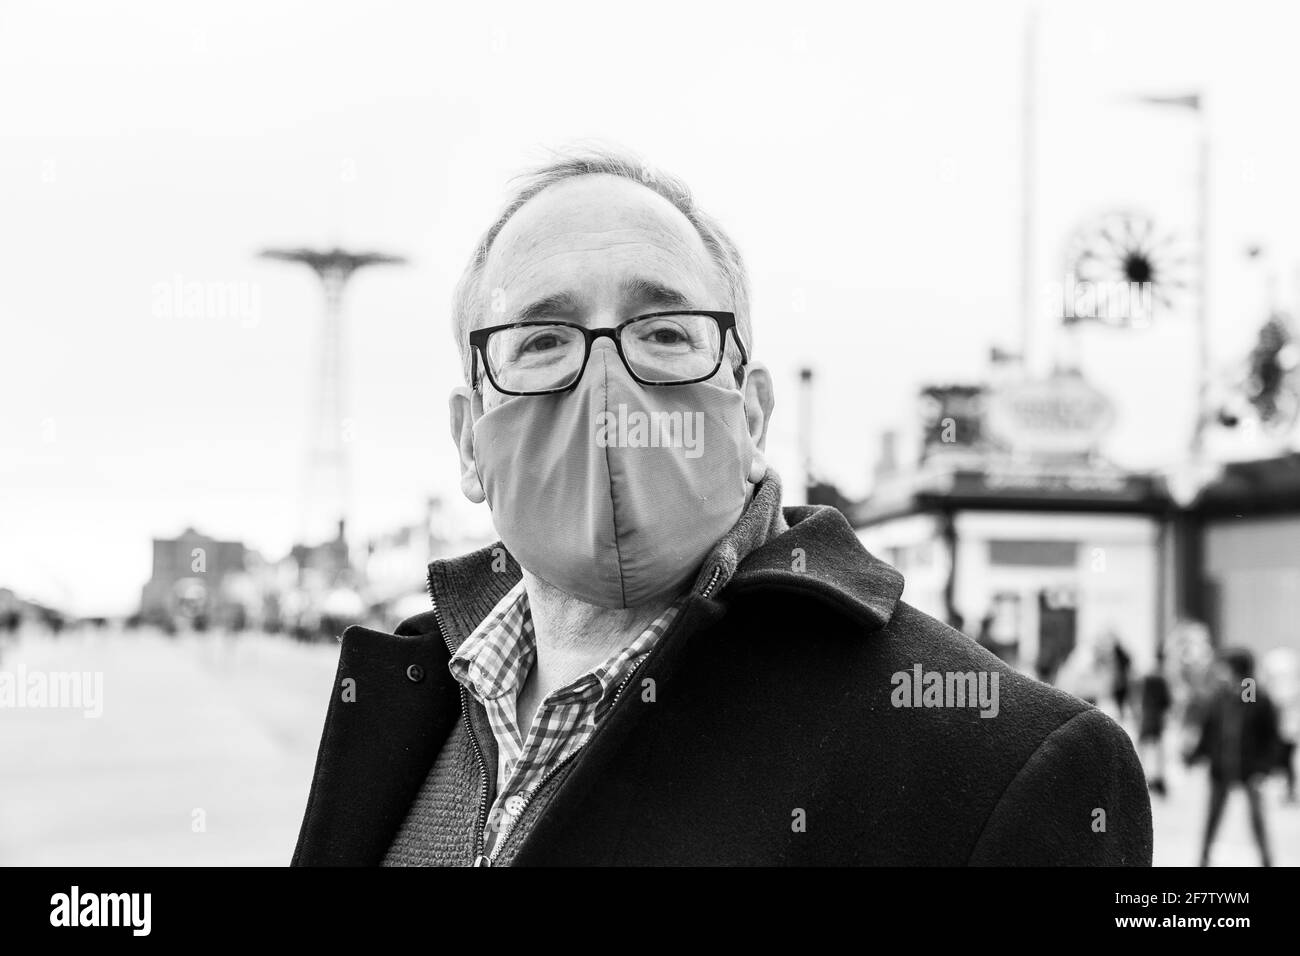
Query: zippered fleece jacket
[{"x": 796, "y": 713}]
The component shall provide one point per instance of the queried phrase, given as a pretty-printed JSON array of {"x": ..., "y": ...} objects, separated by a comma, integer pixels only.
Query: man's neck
[{"x": 573, "y": 637}]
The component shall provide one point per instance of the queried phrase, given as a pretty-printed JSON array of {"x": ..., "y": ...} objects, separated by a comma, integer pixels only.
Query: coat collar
[
  {"x": 807, "y": 549},
  {"x": 821, "y": 557},
  {"x": 404, "y": 706}
]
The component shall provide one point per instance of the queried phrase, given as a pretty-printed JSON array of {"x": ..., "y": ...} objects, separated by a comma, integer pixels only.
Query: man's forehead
[{"x": 592, "y": 228}]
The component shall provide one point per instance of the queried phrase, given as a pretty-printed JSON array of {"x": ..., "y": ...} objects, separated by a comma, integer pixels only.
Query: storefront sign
[
  {"x": 1041, "y": 482},
  {"x": 1063, "y": 415}
]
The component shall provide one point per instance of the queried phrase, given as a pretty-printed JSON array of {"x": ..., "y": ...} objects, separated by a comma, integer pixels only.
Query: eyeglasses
[{"x": 660, "y": 348}]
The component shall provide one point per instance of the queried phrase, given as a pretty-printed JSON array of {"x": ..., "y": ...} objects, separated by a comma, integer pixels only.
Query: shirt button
[
  {"x": 415, "y": 673},
  {"x": 515, "y": 805}
]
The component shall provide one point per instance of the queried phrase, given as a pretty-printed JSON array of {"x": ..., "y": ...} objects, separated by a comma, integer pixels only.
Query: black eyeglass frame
[{"x": 726, "y": 322}]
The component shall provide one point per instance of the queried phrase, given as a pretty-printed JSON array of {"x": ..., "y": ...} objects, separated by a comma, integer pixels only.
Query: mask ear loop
[
  {"x": 476, "y": 383},
  {"x": 476, "y": 390},
  {"x": 478, "y": 474},
  {"x": 740, "y": 370}
]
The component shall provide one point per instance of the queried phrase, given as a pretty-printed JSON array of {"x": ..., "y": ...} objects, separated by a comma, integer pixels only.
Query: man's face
[{"x": 597, "y": 250}]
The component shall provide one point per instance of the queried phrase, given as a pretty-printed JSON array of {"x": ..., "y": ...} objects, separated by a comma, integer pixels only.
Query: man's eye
[
  {"x": 665, "y": 334},
  {"x": 668, "y": 336},
  {"x": 540, "y": 343}
]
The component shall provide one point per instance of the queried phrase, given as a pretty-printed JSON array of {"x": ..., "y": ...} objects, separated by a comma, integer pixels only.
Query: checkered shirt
[{"x": 493, "y": 664}]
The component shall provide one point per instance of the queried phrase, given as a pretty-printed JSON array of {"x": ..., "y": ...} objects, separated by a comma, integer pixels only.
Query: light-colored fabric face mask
[{"x": 615, "y": 492}]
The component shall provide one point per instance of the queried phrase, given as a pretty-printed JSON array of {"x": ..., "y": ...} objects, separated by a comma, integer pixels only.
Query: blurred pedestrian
[
  {"x": 989, "y": 641},
  {"x": 1239, "y": 740},
  {"x": 1281, "y": 678},
  {"x": 1153, "y": 705},
  {"x": 1121, "y": 666},
  {"x": 1087, "y": 672}
]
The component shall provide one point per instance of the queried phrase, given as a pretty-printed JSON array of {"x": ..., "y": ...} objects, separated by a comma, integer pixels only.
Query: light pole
[
  {"x": 328, "y": 491},
  {"x": 805, "y": 428},
  {"x": 1192, "y": 102}
]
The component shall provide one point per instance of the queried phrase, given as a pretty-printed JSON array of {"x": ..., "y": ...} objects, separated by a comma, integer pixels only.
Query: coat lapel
[{"x": 393, "y": 704}]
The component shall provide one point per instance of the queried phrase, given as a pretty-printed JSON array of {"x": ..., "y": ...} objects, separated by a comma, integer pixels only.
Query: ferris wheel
[{"x": 1127, "y": 269}]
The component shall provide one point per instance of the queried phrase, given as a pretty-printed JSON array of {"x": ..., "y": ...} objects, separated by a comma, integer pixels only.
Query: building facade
[
  {"x": 1244, "y": 573},
  {"x": 1010, "y": 525},
  {"x": 191, "y": 580}
]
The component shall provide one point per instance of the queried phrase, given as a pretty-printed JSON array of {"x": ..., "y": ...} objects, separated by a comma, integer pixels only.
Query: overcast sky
[{"x": 866, "y": 157}]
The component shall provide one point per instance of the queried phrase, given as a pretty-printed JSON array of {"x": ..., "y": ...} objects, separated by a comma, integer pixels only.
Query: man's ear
[
  {"x": 759, "y": 401},
  {"x": 466, "y": 406}
]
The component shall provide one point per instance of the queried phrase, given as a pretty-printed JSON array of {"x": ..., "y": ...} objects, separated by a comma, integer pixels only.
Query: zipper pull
[{"x": 482, "y": 860}]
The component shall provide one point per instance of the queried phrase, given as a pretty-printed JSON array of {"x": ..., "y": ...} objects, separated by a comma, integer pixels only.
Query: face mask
[{"x": 614, "y": 492}]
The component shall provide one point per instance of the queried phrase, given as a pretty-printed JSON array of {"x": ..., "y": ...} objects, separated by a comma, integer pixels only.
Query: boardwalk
[
  {"x": 225, "y": 726},
  {"x": 229, "y": 726}
]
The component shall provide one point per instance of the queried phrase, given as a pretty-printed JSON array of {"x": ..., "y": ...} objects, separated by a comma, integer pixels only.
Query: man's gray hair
[{"x": 470, "y": 298}]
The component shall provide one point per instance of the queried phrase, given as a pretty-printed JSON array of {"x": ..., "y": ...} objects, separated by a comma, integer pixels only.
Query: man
[
  {"x": 658, "y": 663},
  {"x": 1239, "y": 740},
  {"x": 1154, "y": 703}
]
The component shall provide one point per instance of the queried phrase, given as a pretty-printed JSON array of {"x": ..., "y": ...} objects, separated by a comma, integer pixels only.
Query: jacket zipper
[
  {"x": 481, "y": 819},
  {"x": 713, "y": 581},
  {"x": 480, "y": 858},
  {"x": 528, "y": 797}
]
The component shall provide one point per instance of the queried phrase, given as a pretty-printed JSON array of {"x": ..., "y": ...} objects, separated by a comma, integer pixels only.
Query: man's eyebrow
[
  {"x": 652, "y": 293},
  {"x": 557, "y": 305}
]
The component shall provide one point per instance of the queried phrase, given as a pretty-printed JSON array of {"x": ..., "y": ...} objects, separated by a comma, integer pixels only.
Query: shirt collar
[{"x": 498, "y": 655}]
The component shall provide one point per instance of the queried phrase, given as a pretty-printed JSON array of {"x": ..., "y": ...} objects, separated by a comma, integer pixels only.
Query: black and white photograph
[{"x": 685, "y": 435}]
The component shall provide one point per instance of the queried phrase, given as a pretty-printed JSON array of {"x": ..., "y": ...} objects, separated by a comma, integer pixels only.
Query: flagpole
[
  {"x": 1203, "y": 287},
  {"x": 1028, "y": 183}
]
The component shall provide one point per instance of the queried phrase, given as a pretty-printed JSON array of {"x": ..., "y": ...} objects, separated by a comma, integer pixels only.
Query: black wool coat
[{"x": 775, "y": 731}]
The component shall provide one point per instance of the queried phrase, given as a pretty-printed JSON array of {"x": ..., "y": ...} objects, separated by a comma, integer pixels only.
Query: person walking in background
[
  {"x": 1086, "y": 673},
  {"x": 1003, "y": 650},
  {"x": 1289, "y": 730},
  {"x": 1121, "y": 665},
  {"x": 1239, "y": 740},
  {"x": 1153, "y": 706},
  {"x": 1281, "y": 678}
]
